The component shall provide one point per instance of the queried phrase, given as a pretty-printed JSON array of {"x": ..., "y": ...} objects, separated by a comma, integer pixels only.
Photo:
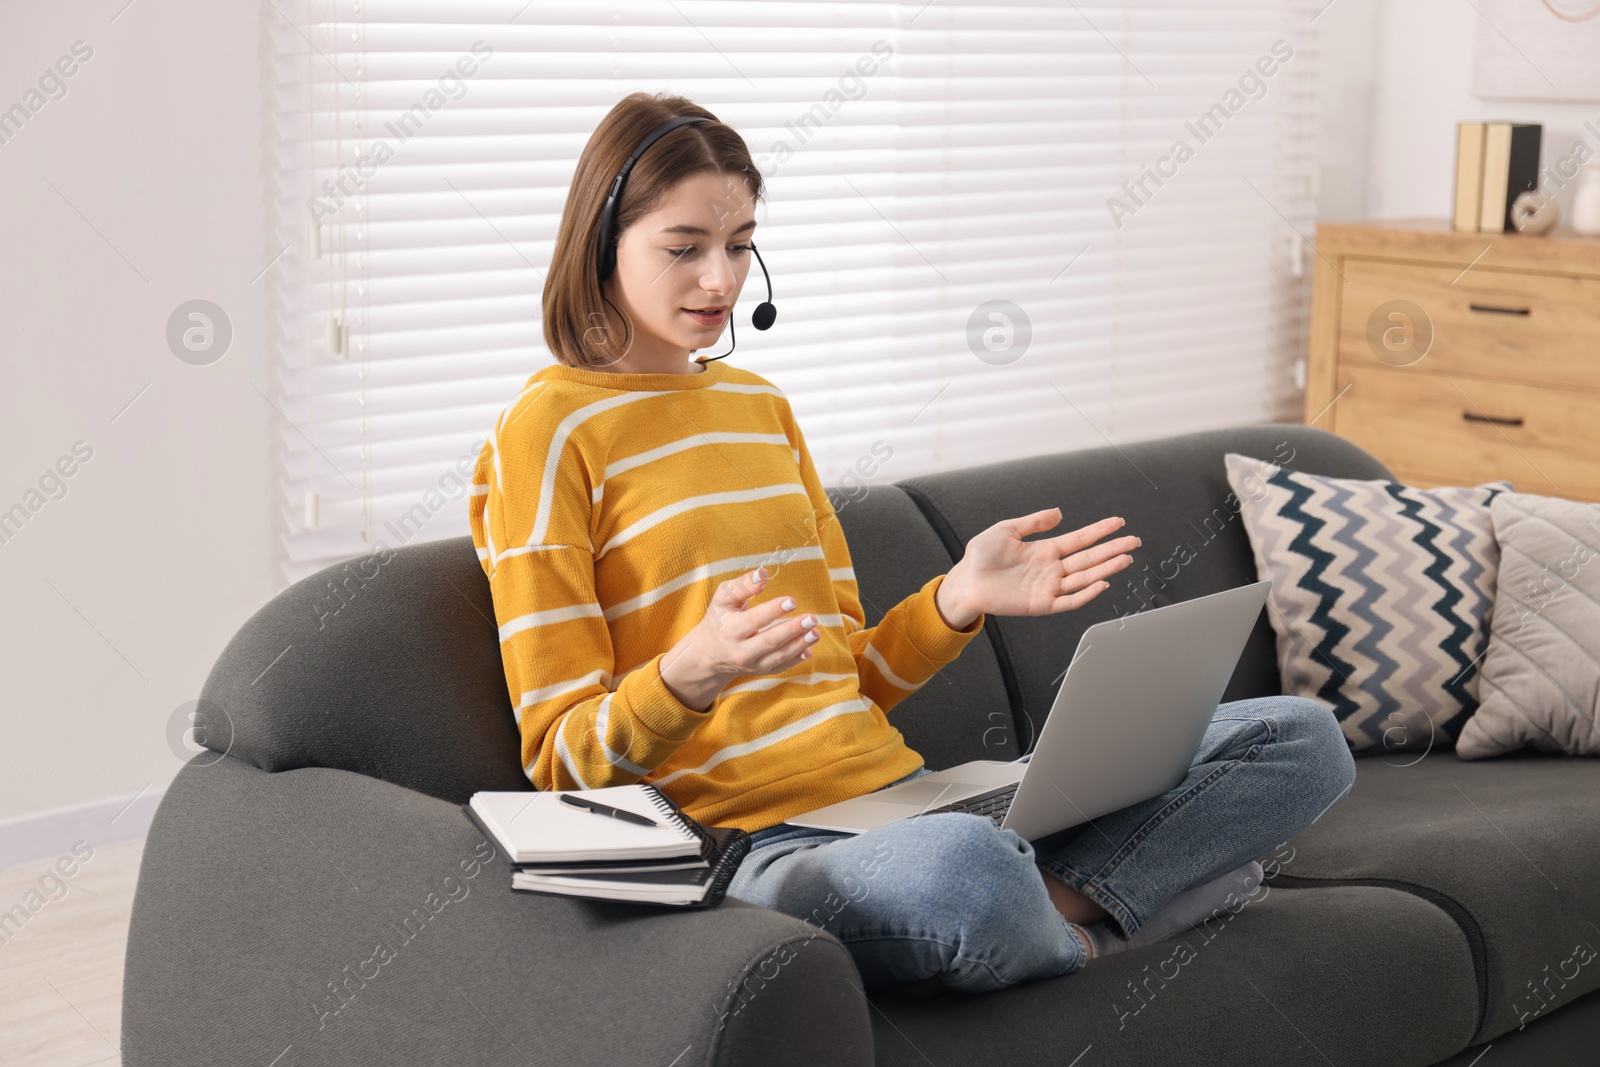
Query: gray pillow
[
  {"x": 1380, "y": 597},
  {"x": 1540, "y": 680}
]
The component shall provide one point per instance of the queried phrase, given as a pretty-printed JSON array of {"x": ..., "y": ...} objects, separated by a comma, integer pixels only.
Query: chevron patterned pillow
[{"x": 1381, "y": 595}]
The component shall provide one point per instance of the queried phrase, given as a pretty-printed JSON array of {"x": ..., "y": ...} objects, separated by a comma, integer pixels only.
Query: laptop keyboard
[{"x": 994, "y": 806}]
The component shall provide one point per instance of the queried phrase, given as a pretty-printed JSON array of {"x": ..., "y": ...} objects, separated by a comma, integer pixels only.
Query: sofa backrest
[
  {"x": 389, "y": 665},
  {"x": 962, "y": 712},
  {"x": 1173, "y": 493}
]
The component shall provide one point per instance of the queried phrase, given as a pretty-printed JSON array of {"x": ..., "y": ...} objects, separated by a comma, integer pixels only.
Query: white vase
[{"x": 1586, "y": 202}]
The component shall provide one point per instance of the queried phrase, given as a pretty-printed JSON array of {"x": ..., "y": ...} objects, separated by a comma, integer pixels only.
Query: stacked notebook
[{"x": 562, "y": 850}]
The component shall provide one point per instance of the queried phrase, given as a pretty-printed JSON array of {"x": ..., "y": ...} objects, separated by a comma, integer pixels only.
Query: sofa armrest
[{"x": 318, "y": 916}]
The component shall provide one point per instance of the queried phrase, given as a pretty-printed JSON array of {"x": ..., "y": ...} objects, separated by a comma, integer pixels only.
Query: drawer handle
[
  {"x": 1500, "y": 311},
  {"x": 1474, "y": 417}
]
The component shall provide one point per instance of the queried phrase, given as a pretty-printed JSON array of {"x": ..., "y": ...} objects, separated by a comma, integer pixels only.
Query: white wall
[
  {"x": 1347, "y": 32},
  {"x": 137, "y": 190},
  {"x": 1421, "y": 87}
]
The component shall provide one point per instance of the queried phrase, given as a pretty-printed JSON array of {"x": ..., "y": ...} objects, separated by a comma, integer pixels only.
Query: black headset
[{"x": 606, "y": 249}]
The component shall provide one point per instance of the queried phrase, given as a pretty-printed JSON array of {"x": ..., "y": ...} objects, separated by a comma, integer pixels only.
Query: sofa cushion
[
  {"x": 963, "y": 713},
  {"x": 1563, "y": 1039},
  {"x": 1174, "y": 495},
  {"x": 1348, "y": 975},
  {"x": 316, "y": 918},
  {"x": 1539, "y": 684},
  {"x": 1510, "y": 847},
  {"x": 1380, "y": 597}
]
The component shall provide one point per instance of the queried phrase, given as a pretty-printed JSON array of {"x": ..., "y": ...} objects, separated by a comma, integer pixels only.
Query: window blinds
[{"x": 994, "y": 230}]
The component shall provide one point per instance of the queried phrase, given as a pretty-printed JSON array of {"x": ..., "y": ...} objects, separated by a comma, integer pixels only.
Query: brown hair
[{"x": 581, "y": 327}]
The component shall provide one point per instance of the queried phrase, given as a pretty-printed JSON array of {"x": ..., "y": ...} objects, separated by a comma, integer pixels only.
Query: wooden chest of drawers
[{"x": 1460, "y": 358}]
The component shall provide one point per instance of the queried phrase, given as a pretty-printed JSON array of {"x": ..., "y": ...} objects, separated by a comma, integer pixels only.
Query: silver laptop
[{"x": 1129, "y": 716}]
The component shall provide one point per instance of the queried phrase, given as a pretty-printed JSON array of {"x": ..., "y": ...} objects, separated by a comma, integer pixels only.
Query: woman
[{"x": 676, "y": 605}]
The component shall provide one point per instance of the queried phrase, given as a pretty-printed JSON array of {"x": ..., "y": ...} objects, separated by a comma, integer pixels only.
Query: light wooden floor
[{"x": 61, "y": 977}]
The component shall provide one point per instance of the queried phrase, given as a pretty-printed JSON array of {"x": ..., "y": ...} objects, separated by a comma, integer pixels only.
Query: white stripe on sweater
[
  {"x": 772, "y": 681},
  {"x": 524, "y": 549},
  {"x": 555, "y": 689},
  {"x": 567, "y": 426},
  {"x": 738, "y": 387},
  {"x": 799, "y": 726},
  {"x": 703, "y": 500},
  {"x": 823, "y": 621},
  {"x": 494, "y": 439},
  {"x": 732, "y": 565},
  {"x": 892, "y": 678},
  {"x": 551, "y": 460},
  {"x": 617, "y": 759},
  {"x": 546, "y": 617},
  {"x": 693, "y": 440},
  {"x": 566, "y": 755}
]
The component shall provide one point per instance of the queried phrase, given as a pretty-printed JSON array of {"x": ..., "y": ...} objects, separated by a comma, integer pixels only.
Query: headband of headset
[{"x": 606, "y": 249}]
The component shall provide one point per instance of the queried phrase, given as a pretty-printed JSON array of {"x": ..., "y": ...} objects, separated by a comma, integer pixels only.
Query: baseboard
[{"x": 46, "y": 835}]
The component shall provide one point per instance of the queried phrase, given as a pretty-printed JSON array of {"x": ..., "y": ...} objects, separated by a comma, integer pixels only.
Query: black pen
[{"x": 606, "y": 809}]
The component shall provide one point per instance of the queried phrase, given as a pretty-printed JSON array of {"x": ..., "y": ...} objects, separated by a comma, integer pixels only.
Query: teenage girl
[{"x": 629, "y": 479}]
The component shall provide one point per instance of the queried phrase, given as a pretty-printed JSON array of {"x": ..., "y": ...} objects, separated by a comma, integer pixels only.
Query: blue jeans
[{"x": 952, "y": 897}]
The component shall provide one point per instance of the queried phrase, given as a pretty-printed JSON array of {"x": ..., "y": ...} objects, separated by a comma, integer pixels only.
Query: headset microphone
[{"x": 606, "y": 250}]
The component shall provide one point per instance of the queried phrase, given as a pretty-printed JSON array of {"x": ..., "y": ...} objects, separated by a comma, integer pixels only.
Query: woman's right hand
[{"x": 734, "y": 639}]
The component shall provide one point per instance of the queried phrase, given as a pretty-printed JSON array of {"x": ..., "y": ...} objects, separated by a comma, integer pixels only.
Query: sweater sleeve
[
  {"x": 912, "y": 641},
  {"x": 531, "y": 527}
]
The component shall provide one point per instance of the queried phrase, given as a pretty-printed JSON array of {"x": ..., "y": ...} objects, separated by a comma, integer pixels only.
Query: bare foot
[{"x": 1073, "y": 905}]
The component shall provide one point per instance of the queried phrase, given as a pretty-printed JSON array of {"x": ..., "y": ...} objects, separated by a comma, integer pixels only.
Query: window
[{"x": 994, "y": 230}]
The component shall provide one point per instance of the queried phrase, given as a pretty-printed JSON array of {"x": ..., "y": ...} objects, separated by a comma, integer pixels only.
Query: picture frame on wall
[{"x": 1537, "y": 50}]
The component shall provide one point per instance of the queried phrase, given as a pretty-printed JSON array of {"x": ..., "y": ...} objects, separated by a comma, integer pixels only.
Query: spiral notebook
[
  {"x": 562, "y": 850},
  {"x": 700, "y": 888}
]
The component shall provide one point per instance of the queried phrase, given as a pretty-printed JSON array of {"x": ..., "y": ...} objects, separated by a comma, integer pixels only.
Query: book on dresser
[
  {"x": 1496, "y": 162},
  {"x": 1510, "y": 168},
  {"x": 1468, "y": 204},
  {"x": 558, "y": 848}
]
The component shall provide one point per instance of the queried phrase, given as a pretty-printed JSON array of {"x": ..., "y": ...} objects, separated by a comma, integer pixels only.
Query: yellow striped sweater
[{"x": 606, "y": 508}]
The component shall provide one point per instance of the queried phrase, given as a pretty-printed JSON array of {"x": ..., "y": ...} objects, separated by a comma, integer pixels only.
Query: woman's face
[{"x": 690, "y": 254}]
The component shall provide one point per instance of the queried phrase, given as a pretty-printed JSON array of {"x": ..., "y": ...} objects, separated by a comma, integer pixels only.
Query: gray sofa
[{"x": 311, "y": 893}]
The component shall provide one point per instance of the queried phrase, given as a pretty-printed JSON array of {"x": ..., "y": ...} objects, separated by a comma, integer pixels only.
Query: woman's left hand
[{"x": 1001, "y": 574}]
